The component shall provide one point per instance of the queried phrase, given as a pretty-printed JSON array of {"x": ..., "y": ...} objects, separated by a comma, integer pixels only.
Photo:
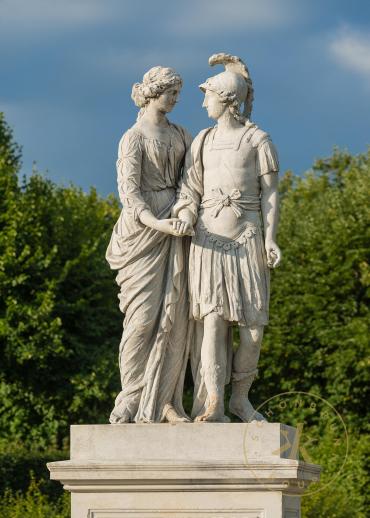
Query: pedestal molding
[{"x": 203, "y": 470}]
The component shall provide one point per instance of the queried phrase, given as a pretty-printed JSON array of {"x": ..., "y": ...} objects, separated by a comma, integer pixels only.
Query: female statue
[
  {"x": 231, "y": 183},
  {"x": 149, "y": 258}
]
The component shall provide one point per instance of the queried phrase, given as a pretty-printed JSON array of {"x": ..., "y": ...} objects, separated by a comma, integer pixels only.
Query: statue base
[{"x": 185, "y": 470}]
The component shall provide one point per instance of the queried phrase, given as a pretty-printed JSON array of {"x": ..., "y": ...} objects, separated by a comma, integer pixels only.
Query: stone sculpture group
[{"x": 193, "y": 247}]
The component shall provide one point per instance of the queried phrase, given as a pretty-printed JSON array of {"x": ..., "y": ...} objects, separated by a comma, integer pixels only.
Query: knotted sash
[{"x": 234, "y": 200}]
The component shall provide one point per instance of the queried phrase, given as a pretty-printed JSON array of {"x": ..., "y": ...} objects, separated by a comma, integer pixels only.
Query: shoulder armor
[{"x": 258, "y": 137}]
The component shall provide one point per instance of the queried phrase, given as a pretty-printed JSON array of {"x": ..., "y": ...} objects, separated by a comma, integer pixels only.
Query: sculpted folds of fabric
[{"x": 152, "y": 277}]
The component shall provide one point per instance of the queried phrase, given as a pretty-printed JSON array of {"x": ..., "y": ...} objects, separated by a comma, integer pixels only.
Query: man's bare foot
[
  {"x": 173, "y": 417},
  {"x": 242, "y": 408},
  {"x": 213, "y": 414}
]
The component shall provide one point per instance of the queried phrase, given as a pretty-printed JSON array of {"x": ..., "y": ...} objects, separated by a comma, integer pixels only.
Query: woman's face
[
  {"x": 167, "y": 100},
  {"x": 212, "y": 103}
]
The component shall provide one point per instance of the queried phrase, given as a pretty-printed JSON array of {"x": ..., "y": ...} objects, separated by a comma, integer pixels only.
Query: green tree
[
  {"x": 34, "y": 504},
  {"x": 60, "y": 324},
  {"x": 318, "y": 337},
  {"x": 317, "y": 340},
  {"x": 10, "y": 155},
  {"x": 347, "y": 494},
  {"x": 59, "y": 318}
]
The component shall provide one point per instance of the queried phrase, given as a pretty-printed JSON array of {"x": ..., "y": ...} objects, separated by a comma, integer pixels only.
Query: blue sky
[{"x": 67, "y": 68}]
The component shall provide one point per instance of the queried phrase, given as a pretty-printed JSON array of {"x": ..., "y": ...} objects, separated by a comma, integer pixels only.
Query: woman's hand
[
  {"x": 273, "y": 253},
  {"x": 174, "y": 226},
  {"x": 183, "y": 228}
]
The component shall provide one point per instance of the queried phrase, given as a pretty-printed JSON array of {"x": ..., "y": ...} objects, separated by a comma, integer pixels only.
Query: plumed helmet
[{"x": 234, "y": 85}]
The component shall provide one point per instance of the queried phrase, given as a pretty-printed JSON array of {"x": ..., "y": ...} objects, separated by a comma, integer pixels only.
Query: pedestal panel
[{"x": 184, "y": 471}]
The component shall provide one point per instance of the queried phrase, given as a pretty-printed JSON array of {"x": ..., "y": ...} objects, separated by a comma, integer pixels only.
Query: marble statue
[
  {"x": 192, "y": 248},
  {"x": 227, "y": 199},
  {"x": 230, "y": 195},
  {"x": 150, "y": 258}
]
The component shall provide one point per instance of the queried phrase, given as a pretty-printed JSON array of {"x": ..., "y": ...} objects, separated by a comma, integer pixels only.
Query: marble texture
[
  {"x": 229, "y": 194},
  {"x": 180, "y": 299},
  {"x": 150, "y": 258},
  {"x": 184, "y": 470},
  {"x": 192, "y": 248}
]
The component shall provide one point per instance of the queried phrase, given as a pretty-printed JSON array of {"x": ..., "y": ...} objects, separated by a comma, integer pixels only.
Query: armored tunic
[{"x": 228, "y": 270}]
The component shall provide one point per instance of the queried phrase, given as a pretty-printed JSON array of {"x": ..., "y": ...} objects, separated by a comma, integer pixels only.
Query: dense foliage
[
  {"x": 18, "y": 465},
  {"x": 34, "y": 504},
  {"x": 318, "y": 340},
  {"x": 60, "y": 324},
  {"x": 59, "y": 320}
]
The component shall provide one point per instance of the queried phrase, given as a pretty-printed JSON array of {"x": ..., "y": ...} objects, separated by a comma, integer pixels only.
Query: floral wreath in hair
[{"x": 236, "y": 65}]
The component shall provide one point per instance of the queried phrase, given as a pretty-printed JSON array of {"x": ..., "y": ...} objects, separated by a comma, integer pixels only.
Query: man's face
[{"x": 212, "y": 103}]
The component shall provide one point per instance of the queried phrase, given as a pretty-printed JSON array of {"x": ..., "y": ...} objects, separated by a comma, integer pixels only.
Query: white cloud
[
  {"x": 32, "y": 15},
  {"x": 187, "y": 18},
  {"x": 135, "y": 62},
  {"x": 190, "y": 19},
  {"x": 351, "y": 49},
  {"x": 202, "y": 17}
]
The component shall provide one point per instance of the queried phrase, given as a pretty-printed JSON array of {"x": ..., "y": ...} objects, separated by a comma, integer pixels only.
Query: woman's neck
[{"x": 155, "y": 117}]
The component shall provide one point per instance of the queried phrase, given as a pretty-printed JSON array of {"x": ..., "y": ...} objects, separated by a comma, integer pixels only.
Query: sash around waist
[
  {"x": 168, "y": 188},
  {"x": 238, "y": 203}
]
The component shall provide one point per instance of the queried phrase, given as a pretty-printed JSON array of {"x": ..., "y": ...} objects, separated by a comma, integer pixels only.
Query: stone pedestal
[{"x": 184, "y": 470}]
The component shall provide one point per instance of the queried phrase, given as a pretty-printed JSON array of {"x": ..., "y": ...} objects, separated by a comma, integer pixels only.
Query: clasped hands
[
  {"x": 175, "y": 227},
  {"x": 178, "y": 227}
]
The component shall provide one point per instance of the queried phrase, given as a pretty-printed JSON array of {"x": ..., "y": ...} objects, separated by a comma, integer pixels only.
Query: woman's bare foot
[
  {"x": 120, "y": 416},
  {"x": 173, "y": 417},
  {"x": 124, "y": 410},
  {"x": 242, "y": 408}
]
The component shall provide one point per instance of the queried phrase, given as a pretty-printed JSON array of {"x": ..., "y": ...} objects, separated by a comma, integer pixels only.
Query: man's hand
[
  {"x": 273, "y": 254},
  {"x": 183, "y": 228},
  {"x": 174, "y": 227}
]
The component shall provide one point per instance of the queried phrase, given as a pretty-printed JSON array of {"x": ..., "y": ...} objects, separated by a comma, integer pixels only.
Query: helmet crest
[{"x": 235, "y": 81}]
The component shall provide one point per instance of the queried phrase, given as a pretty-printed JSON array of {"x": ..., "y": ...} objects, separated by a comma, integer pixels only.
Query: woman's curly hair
[{"x": 155, "y": 82}]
